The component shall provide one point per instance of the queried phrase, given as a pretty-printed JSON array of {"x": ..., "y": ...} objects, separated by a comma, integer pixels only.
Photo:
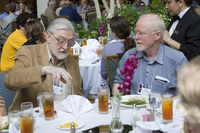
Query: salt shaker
[
  {"x": 152, "y": 117},
  {"x": 73, "y": 130},
  {"x": 134, "y": 116}
]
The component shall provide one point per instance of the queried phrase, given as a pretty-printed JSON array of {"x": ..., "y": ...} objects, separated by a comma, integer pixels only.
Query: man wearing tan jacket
[{"x": 46, "y": 67}]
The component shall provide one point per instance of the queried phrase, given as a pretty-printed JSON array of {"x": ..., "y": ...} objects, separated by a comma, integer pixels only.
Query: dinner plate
[
  {"x": 4, "y": 124},
  {"x": 78, "y": 122},
  {"x": 127, "y": 97}
]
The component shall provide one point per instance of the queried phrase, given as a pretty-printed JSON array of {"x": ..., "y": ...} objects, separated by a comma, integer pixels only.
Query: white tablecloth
[
  {"x": 91, "y": 77},
  {"x": 91, "y": 119}
]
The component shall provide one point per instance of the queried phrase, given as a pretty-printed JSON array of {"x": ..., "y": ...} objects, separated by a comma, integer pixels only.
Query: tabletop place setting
[{"x": 132, "y": 113}]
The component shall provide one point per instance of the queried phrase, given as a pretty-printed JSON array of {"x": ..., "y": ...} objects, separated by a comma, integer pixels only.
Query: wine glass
[{"x": 155, "y": 99}]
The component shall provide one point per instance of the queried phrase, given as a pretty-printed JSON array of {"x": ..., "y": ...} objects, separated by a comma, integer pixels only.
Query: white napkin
[
  {"x": 13, "y": 129},
  {"x": 76, "y": 48},
  {"x": 88, "y": 52},
  {"x": 76, "y": 105},
  {"x": 147, "y": 127}
]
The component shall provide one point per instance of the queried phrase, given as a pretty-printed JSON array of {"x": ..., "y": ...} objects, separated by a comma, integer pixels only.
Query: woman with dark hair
[
  {"x": 121, "y": 30},
  {"x": 34, "y": 32}
]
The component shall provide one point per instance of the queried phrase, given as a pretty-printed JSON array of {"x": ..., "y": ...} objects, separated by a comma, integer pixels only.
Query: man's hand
[
  {"x": 166, "y": 36},
  {"x": 58, "y": 74}
]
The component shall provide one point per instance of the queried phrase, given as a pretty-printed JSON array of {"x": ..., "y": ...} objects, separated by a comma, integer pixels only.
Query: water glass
[
  {"x": 78, "y": 41},
  {"x": 167, "y": 107},
  {"x": 103, "y": 96},
  {"x": 26, "y": 118},
  {"x": 155, "y": 99},
  {"x": 13, "y": 117},
  {"x": 39, "y": 100},
  {"x": 48, "y": 105}
]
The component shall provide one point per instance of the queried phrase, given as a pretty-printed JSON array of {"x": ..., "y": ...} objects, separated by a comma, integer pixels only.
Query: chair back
[
  {"x": 76, "y": 36},
  {"x": 7, "y": 94},
  {"x": 91, "y": 17},
  {"x": 67, "y": 17},
  {"x": 45, "y": 20},
  {"x": 13, "y": 26},
  {"x": 112, "y": 62},
  {"x": 76, "y": 57}
]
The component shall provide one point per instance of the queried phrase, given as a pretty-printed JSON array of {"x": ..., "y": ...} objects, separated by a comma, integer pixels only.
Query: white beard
[{"x": 58, "y": 54}]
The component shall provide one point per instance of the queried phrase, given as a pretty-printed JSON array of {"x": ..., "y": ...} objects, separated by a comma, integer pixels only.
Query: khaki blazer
[{"x": 25, "y": 77}]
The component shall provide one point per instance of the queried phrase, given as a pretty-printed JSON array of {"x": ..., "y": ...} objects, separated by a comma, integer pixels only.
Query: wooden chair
[
  {"x": 13, "y": 26},
  {"x": 91, "y": 17},
  {"x": 112, "y": 62},
  {"x": 67, "y": 17},
  {"x": 7, "y": 94},
  {"x": 76, "y": 36},
  {"x": 45, "y": 20},
  {"x": 76, "y": 57}
]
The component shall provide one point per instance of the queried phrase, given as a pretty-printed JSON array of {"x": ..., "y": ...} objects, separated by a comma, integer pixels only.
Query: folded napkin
[
  {"x": 76, "y": 105},
  {"x": 147, "y": 127},
  {"x": 76, "y": 48},
  {"x": 88, "y": 52},
  {"x": 13, "y": 129}
]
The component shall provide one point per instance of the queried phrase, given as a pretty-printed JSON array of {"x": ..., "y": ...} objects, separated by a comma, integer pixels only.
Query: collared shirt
[
  {"x": 3, "y": 15},
  {"x": 66, "y": 88},
  {"x": 6, "y": 25},
  {"x": 173, "y": 27},
  {"x": 165, "y": 65}
]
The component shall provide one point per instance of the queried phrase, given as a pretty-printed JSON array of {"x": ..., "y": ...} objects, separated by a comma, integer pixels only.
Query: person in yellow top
[{"x": 14, "y": 42}]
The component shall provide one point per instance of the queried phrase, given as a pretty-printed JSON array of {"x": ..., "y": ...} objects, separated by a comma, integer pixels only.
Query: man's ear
[{"x": 157, "y": 35}]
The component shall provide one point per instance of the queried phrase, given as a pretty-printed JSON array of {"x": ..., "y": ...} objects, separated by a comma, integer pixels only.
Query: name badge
[
  {"x": 144, "y": 89},
  {"x": 57, "y": 90}
]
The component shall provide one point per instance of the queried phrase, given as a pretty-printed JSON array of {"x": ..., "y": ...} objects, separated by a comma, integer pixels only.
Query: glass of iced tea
[
  {"x": 26, "y": 118},
  {"x": 104, "y": 41},
  {"x": 48, "y": 105},
  {"x": 167, "y": 107},
  {"x": 99, "y": 51},
  {"x": 103, "y": 96},
  {"x": 84, "y": 41}
]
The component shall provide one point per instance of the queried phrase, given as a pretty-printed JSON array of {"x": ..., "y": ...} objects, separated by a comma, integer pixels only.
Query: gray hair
[
  {"x": 60, "y": 24},
  {"x": 51, "y": 3},
  {"x": 62, "y": 3},
  {"x": 156, "y": 23}
]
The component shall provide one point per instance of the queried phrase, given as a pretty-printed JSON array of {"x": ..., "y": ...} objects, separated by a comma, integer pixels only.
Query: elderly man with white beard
[
  {"x": 157, "y": 63},
  {"x": 46, "y": 68}
]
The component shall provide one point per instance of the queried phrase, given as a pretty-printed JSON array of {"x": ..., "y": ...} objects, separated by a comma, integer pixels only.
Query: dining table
[
  {"x": 91, "y": 77},
  {"x": 92, "y": 119}
]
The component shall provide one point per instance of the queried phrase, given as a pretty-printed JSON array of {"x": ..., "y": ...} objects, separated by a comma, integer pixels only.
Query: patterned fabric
[{"x": 7, "y": 94}]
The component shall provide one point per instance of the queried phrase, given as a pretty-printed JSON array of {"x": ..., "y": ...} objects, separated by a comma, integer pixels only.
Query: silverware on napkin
[{"x": 94, "y": 62}]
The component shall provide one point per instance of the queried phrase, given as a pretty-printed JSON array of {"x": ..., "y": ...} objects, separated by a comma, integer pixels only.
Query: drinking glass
[
  {"x": 155, "y": 99},
  {"x": 104, "y": 41},
  {"x": 26, "y": 117},
  {"x": 78, "y": 41},
  {"x": 103, "y": 96},
  {"x": 39, "y": 100},
  {"x": 99, "y": 51},
  {"x": 13, "y": 117},
  {"x": 84, "y": 41},
  {"x": 167, "y": 107},
  {"x": 48, "y": 105}
]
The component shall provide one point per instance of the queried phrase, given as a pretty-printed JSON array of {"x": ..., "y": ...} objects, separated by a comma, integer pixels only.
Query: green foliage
[
  {"x": 156, "y": 6},
  {"x": 130, "y": 12}
]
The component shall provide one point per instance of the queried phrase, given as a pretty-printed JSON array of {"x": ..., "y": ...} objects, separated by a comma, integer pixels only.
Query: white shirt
[{"x": 173, "y": 27}]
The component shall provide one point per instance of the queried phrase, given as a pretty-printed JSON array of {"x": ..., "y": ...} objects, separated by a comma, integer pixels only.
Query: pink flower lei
[{"x": 128, "y": 70}]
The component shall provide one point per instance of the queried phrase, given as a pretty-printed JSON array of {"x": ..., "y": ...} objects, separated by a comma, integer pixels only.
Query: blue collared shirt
[
  {"x": 165, "y": 65},
  {"x": 3, "y": 15}
]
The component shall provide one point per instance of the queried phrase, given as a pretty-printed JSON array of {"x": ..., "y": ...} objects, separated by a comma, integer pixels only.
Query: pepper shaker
[{"x": 73, "y": 130}]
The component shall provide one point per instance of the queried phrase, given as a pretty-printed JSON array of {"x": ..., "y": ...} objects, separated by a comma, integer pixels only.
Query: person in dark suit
[
  {"x": 183, "y": 32},
  {"x": 72, "y": 13}
]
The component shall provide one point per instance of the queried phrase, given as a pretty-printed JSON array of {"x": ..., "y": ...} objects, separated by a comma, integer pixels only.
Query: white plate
[
  {"x": 78, "y": 122},
  {"x": 127, "y": 97},
  {"x": 4, "y": 122}
]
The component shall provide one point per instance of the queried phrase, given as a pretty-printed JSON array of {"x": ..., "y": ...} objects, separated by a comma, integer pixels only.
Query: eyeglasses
[
  {"x": 63, "y": 42},
  {"x": 142, "y": 34}
]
